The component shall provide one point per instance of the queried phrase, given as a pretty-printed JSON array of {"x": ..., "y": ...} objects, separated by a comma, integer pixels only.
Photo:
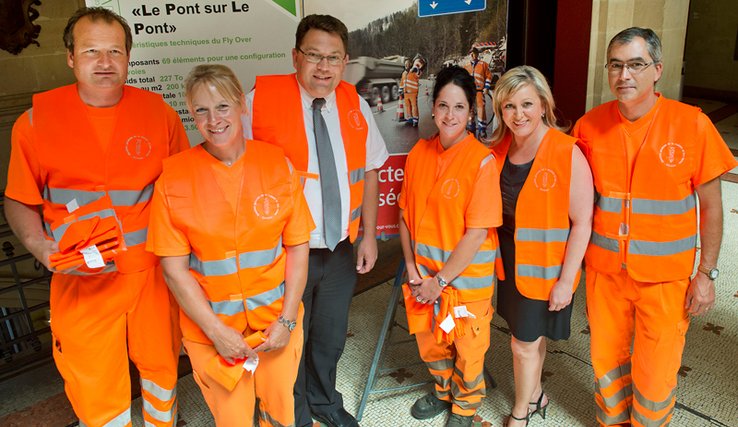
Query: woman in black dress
[{"x": 547, "y": 200}]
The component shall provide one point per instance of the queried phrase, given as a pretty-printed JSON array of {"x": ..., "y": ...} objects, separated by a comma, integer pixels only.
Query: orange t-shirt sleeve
[
  {"x": 178, "y": 137},
  {"x": 485, "y": 206},
  {"x": 715, "y": 158},
  {"x": 300, "y": 223},
  {"x": 25, "y": 179},
  {"x": 164, "y": 239}
]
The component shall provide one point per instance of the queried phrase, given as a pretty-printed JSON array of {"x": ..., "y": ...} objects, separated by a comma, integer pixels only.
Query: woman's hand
[
  {"x": 425, "y": 291},
  {"x": 277, "y": 337},
  {"x": 560, "y": 296},
  {"x": 230, "y": 345}
]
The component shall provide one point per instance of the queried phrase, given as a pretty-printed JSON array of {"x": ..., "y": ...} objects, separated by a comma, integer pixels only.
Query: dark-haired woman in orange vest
[
  {"x": 547, "y": 200},
  {"x": 231, "y": 225},
  {"x": 450, "y": 205}
]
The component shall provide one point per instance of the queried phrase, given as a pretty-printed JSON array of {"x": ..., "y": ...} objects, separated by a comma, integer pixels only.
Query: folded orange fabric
[
  {"x": 229, "y": 375},
  {"x": 427, "y": 317}
]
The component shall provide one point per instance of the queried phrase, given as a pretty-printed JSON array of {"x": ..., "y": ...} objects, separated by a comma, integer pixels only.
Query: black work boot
[{"x": 428, "y": 406}]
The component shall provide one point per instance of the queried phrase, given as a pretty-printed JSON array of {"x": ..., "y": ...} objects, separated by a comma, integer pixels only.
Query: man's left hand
[
  {"x": 700, "y": 295},
  {"x": 366, "y": 255}
]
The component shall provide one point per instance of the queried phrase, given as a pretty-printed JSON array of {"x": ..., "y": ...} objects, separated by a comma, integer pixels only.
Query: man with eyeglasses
[
  {"x": 650, "y": 157},
  {"x": 329, "y": 134}
]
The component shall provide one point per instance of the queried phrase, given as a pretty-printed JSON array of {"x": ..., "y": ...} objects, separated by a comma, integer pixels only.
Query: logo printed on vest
[
  {"x": 266, "y": 206},
  {"x": 450, "y": 188},
  {"x": 138, "y": 147},
  {"x": 545, "y": 179},
  {"x": 672, "y": 154},
  {"x": 356, "y": 120}
]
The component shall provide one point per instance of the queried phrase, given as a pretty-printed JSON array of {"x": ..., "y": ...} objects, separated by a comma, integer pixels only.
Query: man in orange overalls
[
  {"x": 93, "y": 150},
  {"x": 479, "y": 70},
  {"x": 650, "y": 157}
]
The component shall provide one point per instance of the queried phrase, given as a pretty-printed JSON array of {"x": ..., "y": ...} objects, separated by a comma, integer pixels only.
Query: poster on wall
[
  {"x": 386, "y": 38},
  {"x": 383, "y": 36},
  {"x": 253, "y": 37}
]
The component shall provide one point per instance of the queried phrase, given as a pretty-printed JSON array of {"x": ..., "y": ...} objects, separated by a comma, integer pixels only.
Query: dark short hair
[
  {"x": 459, "y": 77},
  {"x": 326, "y": 23},
  {"x": 653, "y": 43},
  {"x": 95, "y": 14}
]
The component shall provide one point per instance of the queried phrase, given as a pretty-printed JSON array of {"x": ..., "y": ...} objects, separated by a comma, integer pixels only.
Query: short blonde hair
[
  {"x": 220, "y": 77},
  {"x": 510, "y": 83}
]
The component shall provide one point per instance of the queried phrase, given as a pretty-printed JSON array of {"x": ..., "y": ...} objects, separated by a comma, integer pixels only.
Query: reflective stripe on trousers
[
  {"x": 121, "y": 420},
  {"x": 166, "y": 398}
]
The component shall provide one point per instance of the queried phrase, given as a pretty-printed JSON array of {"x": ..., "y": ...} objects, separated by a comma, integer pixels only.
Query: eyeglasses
[
  {"x": 632, "y": 67},
  {"x": 314, "y": 58}
]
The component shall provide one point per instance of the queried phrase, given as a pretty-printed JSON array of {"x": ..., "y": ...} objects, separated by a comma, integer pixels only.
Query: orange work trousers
[
  {"x": 411, "y": 105},
  {"x": 635, "y": 387},
  {"x": 481, "y": 111},
  {"x": 272, "y": 383},
  {"x": 458, "y": 367},
  {"x": 97, "y": 323}
]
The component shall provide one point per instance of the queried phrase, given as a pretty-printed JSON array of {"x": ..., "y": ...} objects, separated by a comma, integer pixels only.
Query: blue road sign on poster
[{"x": 446, "y": 7}]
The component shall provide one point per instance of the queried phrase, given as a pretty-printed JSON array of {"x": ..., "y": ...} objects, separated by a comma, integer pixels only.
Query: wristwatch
[
  {"x": 289, "y": 324},
  {"x": 711, "y": 273},
  {"x": 441, "y": 281}
]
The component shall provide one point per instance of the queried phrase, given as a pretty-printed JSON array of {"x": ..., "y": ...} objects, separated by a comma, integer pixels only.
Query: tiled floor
[{"x": 706, "y": 395}]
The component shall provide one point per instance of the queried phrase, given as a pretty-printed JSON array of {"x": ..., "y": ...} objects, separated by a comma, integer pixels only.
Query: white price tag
[
  {"x": 250, "y": 364},
  {"x": 448, "y": 324},
  {"x": 462, "y": 311},
  {"x": 93, "y": 259},
  {"x": 72, "y": 205}
]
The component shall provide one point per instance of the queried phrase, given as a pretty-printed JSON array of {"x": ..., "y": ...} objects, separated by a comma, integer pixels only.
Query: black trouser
[{"x": 330, "y": 287}]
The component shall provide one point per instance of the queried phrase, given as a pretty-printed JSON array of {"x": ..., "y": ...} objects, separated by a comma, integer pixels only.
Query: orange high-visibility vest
[
  {"x": 645, "y": 219},
  {"x": 480, "y": 72},
  {"x": 403, "y": 79},
  {"x": 237, "y": 258},
  {"x": 435, "y": 215},
  {"x": 542, "y": 215},
  {"x": 125, "y": 172},
  {"x": 278, "y": 119},
  {"x": 412, "y": 84}
]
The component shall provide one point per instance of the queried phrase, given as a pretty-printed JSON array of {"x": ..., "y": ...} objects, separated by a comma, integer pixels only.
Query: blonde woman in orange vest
[
  {"x": 547, "y": 202},
  {"x": 450, "y": 206},
  {"x": 231, "y": 225}
]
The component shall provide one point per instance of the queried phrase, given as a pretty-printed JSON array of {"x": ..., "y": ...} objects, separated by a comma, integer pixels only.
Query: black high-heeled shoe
[
  {"x": 525, "y": 418},
  {"x": 541, "y": 410}
]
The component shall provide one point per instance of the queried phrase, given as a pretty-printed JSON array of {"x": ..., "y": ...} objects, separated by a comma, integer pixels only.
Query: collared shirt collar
[{"x": 307, "y": 100}]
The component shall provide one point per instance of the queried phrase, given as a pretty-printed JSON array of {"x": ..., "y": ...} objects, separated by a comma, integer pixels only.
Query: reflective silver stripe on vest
[
  {"x": 645, "y": 247},
  {"x": 616, "y": 373},
  {"x": 605, "y": 419},
  {"x": 438, "y": 254},
  {"x": 131, "y": 197},
  {"x": 609, "y": 204},
  {"x": 227, "y": 308},
  {"x": 486, "y": 160},
  {"x": 605, "y": 242},
  {"x": 664, "y": 207},
  {"x": 652, "y": 405},
  {"x": 121, "y": 420},
  {"x": 265, "y": 298},
  {"x": 261, "y": 258},
  {"x": 157, "y": 391},
  {"x": 355, "y": 214},
  {"x": 544, "y": 235},
  {"x": 161, "y": 416},
  {"x": 462, "y": 282},
  {"x": 546, "y": 273},
  {"x": 137, "y": 237},
  {"x": 30, "y": 115},
  {"x": 58, "y": 233},
  {"x": 356, "y": 175},
  {"x": 63, "y": 196},
  {"x": 222, "y": 267}
]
